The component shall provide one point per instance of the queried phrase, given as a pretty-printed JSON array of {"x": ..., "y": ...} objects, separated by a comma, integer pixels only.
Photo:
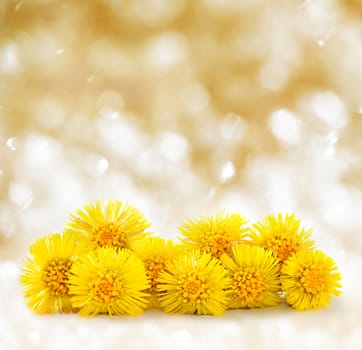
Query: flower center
[
  {"x": 108, "y": 234},
  {"x": 282, "y": 247},
  {"x": 106, "y": 287},
  {"x": 216, "y": 244},
  {"x": 55, "y": 275},
  {"x": 313, "y": 280},
  {"x": 153, "y": 268},
  {"x": 193, "y": 288},
  {"x": 248, "y": 285}
]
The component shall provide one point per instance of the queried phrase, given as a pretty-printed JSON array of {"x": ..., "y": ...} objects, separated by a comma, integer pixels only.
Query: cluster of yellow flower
[{"x": 105, "y": 262}]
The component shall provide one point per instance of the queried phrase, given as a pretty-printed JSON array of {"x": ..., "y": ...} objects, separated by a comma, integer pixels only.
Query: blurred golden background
[
  {"x": 180, "y": 104},
  {"x": 182, "y": 108}
]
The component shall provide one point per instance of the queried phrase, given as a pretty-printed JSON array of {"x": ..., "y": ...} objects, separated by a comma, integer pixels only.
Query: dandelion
[
  {"x": 216, "y": 234},
  {"x": 254, "y": 276},
  {"x": 45, "y": 275},
  {"x": 194, "y": 283},
  {"x": 155, "y": 252},
  {"x": 309, "y": 279},
  {"x": 283, "y": 236},
  {"x": 111, "y": 224},
  {"x": 109, "y": 281}
]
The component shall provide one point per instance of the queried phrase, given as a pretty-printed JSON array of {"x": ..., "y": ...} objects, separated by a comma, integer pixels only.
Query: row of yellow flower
[{"x": 105, "y": 262}]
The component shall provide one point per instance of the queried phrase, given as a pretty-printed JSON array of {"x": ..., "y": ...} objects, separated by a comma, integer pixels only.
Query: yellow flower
[
  {"x": 194, "y": 283},
  {"x": 309, "y": 279},
  {"x": 215, "y": 234},
  {"x": 45, "y": 275},
  {"x": 254, "y": 276},
  {"x": 111, "y": 224},
  {"x": 283, "y": 236},
  {"x": 109, "y": 281},
  {"x": 155, "y": 252}
]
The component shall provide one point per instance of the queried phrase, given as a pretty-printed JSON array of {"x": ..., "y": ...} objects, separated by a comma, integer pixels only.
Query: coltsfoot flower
[
  {"x": 155, "y": 252},
  {"x": 283, "y": 236},
  {"x": 309, "y": 279},
  {"x": 45, "y": 275},
  {"x": 194, "y": 283},
  {"x": 215, "y": 234},
  {"x": 109, "y": 281},
  {"x": 110, "y": 224},
  {"x": 254, "y": 276}
]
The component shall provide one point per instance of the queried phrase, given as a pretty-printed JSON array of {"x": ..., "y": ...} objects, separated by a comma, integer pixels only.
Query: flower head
[
  {"x": 283, "y": 236},
  {"x": 216, "y": 234},
  {"x": 155, "y": 252},
  {"x": 254, "y": 276},
  {"x": 195, "y": 282},
  {"x": 111, "y": 224},
  {"x": 109, "y": 281},
  {"x": 309, "y": 279},
  {"x": 45, "y": 275}
]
